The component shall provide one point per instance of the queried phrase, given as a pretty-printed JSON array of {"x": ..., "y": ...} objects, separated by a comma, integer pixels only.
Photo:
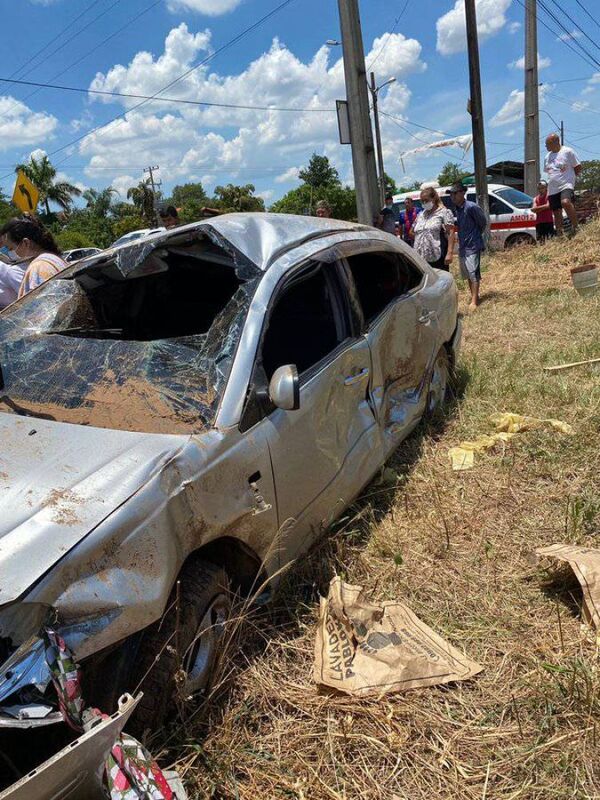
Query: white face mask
[{"x": 428, "y": 206}]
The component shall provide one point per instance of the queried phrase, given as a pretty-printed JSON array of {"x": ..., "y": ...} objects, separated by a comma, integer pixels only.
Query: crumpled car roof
[{"x": 254, "y": 239}]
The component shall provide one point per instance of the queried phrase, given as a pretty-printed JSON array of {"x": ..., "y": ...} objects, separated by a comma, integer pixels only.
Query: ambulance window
[{"x": 497, "y": 206}]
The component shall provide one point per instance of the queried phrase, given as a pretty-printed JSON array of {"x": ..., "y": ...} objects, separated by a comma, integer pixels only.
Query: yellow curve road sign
[{"x": 26, "y": 195}]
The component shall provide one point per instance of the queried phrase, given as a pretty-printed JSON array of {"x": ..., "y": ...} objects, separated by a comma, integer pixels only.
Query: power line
[
  {"x": 89, "y": 52},
  {"x": 55, "y": 38},
  {"x": 160, "y": 99},
  {"x": 584, "y": 9},
  {"x": 188, "y": 72},
  {"x": 564, "y": 41},
  {"x": 562, "y": 27},
  {"x": 389, "y": 36},
  {"x": 576, "y": 24}
]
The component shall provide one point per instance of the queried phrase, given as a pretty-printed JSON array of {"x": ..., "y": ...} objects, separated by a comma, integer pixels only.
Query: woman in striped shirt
[{"x": 28, "y": 240}]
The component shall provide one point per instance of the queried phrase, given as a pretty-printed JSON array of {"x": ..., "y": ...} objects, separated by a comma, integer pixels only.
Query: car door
[
  {"x": 326, "y": 450},
  {"x": 402, "y": 331},
  {"x": 501, "y": 221}
]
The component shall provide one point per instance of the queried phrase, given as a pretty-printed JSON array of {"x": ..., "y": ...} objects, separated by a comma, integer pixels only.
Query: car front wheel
[{"x": 178, "y": 654}]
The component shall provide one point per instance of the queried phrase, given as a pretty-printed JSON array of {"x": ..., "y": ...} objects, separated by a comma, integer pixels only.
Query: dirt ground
[{"x": 457, "y": 547}]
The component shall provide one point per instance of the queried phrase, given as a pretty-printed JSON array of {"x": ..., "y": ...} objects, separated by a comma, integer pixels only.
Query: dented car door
[{"x": 402, "y": 332}]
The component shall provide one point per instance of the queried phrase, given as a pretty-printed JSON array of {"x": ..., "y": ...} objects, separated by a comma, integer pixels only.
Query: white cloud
[
  {"x": 122, "y": 183},
  {"x": 21, "y": 126},
  {"x": 212, "y": 8},
  {"x": 513, "y": 27},
  {"x": 566, "y": 37},
  {"x": 266, "y": 194},
  {"x": 290, "y": 174},
  {"x": 451, "y": 27},
  {"x": 228, "y": 143},
  {"x": 543, "y": 62},
  {"x": 580, "y": 105},
  {"x": 592, "y": 84},
  {"x": 513, "y": 108}
]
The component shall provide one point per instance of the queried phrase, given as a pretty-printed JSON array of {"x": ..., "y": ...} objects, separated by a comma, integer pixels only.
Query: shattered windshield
[{"x": 142, "y": 340}]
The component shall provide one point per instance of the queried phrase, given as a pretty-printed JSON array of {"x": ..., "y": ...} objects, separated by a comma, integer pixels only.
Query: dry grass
[{"x": 457, "y": 547}]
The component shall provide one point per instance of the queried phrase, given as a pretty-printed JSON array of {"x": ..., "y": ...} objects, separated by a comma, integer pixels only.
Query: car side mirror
[{"x": 284, "y": 388}]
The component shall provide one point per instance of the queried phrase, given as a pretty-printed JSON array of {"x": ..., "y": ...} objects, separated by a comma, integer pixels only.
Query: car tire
[
  {"x": 439, "y": 382},
  {"x": 518, "y": 239},
  {"x": 178, "y": 654}
]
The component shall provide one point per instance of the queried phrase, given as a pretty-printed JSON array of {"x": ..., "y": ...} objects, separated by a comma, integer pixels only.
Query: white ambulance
[{"x": 511, "y": 220}]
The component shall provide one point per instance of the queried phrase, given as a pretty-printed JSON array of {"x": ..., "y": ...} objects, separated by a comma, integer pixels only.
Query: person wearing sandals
[{"x": 433, "y": 231}]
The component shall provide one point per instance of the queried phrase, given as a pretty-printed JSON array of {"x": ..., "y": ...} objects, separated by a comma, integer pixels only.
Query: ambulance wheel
[{"x": 518, "y": 239}]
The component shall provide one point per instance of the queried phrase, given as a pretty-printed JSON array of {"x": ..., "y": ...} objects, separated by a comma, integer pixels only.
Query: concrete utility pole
[
  {"x": 155, "y": 186},
  {"x": 477, "y": 109},
  {"x": 361, "y": 134},
  {"x": 562, "y": 132},
  {"x": 375, "y": 97},
  {"x": 532, "y": 110}
]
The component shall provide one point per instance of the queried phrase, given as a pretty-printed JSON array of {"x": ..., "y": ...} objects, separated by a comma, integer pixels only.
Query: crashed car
[{"x": 186, "y": 415}]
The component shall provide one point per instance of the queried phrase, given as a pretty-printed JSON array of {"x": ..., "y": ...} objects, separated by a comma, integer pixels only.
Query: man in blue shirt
[{"x": 471, "y": 224}]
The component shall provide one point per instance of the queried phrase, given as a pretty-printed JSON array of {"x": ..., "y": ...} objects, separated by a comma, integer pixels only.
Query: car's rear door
[
  {"x": 401, "y": 327},
  {"x": 325, "y": 451}
]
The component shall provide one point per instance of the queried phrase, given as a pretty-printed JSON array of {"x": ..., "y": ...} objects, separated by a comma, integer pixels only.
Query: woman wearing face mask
[
  {"x": 28, "y": 241},
  {"x": 434, "y": 231}
]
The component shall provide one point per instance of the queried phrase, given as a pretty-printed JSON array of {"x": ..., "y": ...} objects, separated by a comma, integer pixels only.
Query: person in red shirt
[{"x": 544, "y": 226}]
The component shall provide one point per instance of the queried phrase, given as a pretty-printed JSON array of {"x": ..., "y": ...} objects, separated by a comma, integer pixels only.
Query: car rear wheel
[
  {"x": 178, "y": 654},
  {"x": 518, "y": 239},
  {"x": 439, "y": 382}
]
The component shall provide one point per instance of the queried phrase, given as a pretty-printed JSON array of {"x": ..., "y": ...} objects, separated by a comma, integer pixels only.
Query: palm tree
[
  {"x": 43, "y": 176},
  {"x": 99, "y": 201},
  {"x": 143, "y": 199}
]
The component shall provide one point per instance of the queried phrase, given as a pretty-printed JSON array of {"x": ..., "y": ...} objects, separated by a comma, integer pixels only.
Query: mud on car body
[{"x": 192, "y": 410}]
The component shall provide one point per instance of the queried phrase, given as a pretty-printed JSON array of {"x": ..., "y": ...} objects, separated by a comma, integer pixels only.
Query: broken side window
[
  {"x": 380, "y": 278},
  {"x": 146, "y": 348}
]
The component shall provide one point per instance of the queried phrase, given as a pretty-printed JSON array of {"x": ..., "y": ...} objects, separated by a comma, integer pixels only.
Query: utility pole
[
  {"x": 532, "y": 110},
  {"x": 477, "y": 109},
  {"x": 562, "y": 132},
  {"x": 155, "y": 186},
  {"x": 361, "y": 134},
  {"x": 375, "y": 96}
]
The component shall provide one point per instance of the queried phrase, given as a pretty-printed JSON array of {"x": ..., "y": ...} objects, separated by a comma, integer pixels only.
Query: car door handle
[
  {"x": 351, "y": 380},
  {"x": 426, "y": 317}
]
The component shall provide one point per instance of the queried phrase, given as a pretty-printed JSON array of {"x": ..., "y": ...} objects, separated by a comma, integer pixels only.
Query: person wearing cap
[
  {"x": 544, "y": 226},
  {"x": 470, "y": 224},
  {"x": 323, "y": 209},
  {"x": 388, "y": 218},
  {"x": 169, "y": 216}
]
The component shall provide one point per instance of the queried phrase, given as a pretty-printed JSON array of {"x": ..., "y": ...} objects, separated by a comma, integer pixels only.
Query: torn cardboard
[
  {"x": 366, "y": 649},
  {"x": 507, "y": 425},
  {"x": 585, "y": 563}
]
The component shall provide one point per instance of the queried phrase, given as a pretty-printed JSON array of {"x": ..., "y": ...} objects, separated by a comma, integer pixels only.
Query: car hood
[{"x": 58, "y": 482}]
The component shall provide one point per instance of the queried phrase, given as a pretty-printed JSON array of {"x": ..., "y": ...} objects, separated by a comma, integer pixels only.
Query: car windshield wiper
[{"x": 82, "y": 329}]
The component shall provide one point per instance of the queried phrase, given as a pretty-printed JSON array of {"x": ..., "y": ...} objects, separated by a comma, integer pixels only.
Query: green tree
[
  {"x": 238, "y": 198},
  {"x": 143, "y": 200},
  {"x": 319, "y": 173},
  {"x": 99, "y": 201},
  {"x": 590, "y": 175},
  {"x": 126, "y": 225},
  {"x": 70, "y": 240},
  {"x": 187, "y": 193},
  {"x": 451, "y": 173},
  {"x": 303, "y": 199},
  {"x": 390, "y": 184},
  {"x": 43, "y": 176}
]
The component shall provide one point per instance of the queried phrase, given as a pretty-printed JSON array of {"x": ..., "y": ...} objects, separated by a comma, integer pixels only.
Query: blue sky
[{"x": 283, "y": 63}]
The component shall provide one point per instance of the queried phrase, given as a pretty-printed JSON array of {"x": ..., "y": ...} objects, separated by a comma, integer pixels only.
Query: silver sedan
[{"x": 185, "y": 415}]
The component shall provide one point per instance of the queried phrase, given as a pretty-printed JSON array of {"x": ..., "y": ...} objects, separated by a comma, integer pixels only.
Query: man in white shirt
[{"x": 562, "y": 167}]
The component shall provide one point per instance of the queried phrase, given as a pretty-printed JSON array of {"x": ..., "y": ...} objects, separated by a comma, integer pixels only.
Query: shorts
[
  {"x": 556, "y": 199},
  {"x": 470, "y": 267}
]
